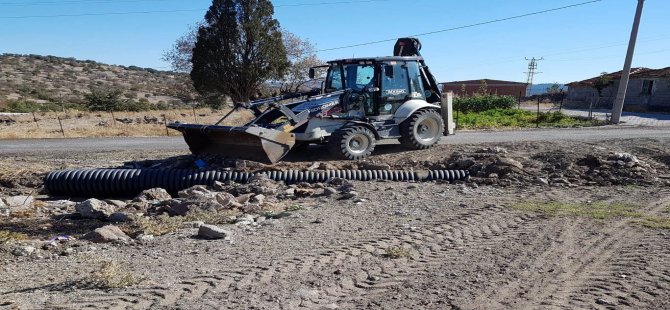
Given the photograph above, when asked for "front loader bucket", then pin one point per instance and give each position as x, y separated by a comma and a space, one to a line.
250, 143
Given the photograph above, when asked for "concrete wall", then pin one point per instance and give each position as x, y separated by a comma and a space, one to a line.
659, 98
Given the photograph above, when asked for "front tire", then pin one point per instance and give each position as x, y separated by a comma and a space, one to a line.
352, 142
422, 130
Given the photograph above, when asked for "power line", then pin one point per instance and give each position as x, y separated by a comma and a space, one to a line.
71, 2
328, 3
99, 14
68, 2
532, 71
465, 26
497, 61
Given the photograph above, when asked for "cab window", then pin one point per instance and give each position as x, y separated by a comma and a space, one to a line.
358, 76
334, 79
415, 83
395, 87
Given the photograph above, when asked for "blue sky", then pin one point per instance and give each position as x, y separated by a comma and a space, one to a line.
577, 43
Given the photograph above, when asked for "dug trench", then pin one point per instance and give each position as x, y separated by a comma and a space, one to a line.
559, 225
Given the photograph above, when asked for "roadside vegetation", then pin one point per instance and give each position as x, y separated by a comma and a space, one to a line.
487, 111
513, 118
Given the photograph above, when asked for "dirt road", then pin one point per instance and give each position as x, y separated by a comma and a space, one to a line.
462, 137
394, 245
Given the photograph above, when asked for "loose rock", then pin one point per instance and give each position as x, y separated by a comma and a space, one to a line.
4, 209
213, 232
194, 224
19, 201
349, 195
116, 203
94, 209
329, 191
119, 217
109, 233
198, 192
152, 195
24, 250
145, 238
246, 219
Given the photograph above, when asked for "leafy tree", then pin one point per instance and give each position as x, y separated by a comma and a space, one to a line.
238, 47
601, 83
104, 99
554, 89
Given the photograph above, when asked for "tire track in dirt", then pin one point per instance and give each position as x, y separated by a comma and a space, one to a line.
589, 268
637, 275
430, 247
376, 275
594, 276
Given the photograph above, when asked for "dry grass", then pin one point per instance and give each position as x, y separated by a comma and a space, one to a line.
396, 252
597, 210
655, 222
211, 217
111, 274
159, 225
78, 124
10, 236
164, 224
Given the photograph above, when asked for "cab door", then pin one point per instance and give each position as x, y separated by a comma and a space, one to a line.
394, 87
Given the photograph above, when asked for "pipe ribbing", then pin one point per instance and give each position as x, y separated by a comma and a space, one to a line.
130, 182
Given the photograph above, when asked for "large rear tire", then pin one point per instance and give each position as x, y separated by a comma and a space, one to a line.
422, 130
352, 142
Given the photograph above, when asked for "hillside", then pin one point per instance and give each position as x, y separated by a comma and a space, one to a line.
44, 79
538, 89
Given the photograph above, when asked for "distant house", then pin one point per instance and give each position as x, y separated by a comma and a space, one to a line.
492, 87
647, 88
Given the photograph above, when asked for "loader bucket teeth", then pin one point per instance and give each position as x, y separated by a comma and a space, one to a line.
250, 143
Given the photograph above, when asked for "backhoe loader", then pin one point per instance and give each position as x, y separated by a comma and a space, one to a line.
361, 101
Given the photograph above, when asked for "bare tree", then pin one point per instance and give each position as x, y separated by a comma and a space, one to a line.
301, 55
179, 55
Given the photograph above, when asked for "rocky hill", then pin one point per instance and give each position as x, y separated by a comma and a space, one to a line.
44, 79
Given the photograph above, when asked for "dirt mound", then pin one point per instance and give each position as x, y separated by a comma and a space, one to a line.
554, 168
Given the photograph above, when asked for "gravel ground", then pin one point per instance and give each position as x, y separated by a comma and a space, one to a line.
367, 245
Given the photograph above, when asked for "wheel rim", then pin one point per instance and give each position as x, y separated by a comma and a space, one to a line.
358, 144
427, 130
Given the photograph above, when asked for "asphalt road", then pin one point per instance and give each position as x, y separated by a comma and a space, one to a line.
461, 137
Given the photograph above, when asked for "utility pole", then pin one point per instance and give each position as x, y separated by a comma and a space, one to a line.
532, 71
617, 108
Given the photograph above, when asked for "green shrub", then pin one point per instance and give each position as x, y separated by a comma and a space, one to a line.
479, 103
134, 106
103, 100
27, 106
497, 118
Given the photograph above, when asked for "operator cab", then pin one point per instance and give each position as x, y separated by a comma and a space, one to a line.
379, 86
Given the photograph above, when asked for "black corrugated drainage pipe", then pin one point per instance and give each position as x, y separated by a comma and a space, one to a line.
130, 182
